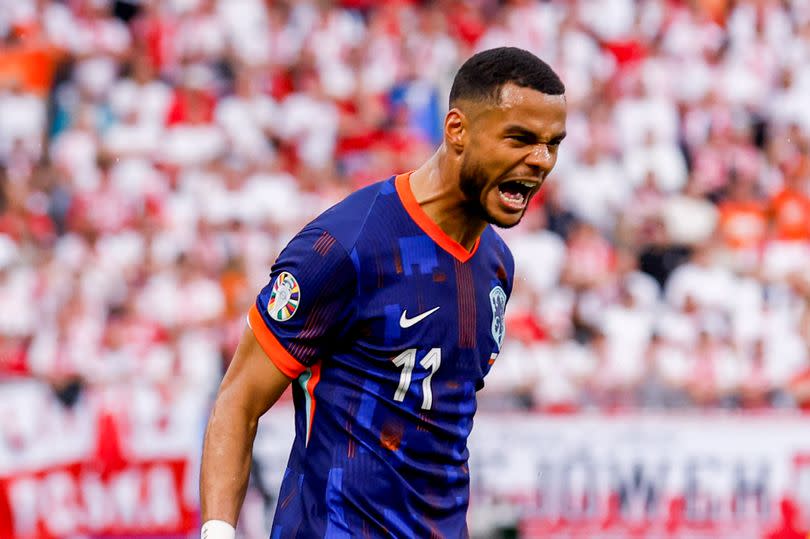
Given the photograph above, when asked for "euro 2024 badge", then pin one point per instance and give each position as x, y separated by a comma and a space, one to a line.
284, 298
497, 298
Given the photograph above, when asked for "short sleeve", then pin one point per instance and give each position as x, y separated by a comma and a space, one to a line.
307, 302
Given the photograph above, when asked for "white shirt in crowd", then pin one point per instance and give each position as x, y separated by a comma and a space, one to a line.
22, 121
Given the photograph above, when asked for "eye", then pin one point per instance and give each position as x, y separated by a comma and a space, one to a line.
523, 139
553, 145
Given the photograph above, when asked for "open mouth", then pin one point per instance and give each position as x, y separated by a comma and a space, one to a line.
515, 193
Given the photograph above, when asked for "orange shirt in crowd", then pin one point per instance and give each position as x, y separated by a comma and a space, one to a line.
743, 225
32, 66
791, 216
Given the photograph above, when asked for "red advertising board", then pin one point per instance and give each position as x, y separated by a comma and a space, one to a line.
144, 498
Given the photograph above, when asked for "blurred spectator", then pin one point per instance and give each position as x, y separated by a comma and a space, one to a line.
590, 190
743, 224
22, 121
688, 218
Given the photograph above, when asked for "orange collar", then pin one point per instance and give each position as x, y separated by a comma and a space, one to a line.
427, 225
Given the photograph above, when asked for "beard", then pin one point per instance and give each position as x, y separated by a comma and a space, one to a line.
473, 181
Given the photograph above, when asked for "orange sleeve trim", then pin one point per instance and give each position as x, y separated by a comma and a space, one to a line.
403, 186
281, 358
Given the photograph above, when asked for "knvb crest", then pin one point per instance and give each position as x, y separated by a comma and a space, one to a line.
497, 298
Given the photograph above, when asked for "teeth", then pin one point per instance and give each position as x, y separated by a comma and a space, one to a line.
517, 198
527, 184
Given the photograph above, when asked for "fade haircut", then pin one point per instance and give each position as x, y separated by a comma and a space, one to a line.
484, 74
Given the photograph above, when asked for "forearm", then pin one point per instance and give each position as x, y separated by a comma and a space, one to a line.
249, 388
226, 461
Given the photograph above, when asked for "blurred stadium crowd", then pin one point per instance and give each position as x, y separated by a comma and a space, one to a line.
158, 154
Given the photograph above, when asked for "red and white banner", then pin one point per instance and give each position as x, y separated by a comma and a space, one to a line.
138, 499
713, 475
117, 464
579, 476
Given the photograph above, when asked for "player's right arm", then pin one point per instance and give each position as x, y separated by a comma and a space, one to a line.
250, 387
294, 322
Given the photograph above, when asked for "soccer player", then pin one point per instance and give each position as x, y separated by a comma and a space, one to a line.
385, 313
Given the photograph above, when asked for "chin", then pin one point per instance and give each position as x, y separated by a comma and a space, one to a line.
507, 221
510, 224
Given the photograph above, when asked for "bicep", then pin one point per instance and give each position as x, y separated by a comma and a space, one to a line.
252, 381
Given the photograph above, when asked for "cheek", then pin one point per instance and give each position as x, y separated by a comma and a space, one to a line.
489, 162
498, 161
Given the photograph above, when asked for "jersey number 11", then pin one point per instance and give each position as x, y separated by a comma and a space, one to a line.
407, 360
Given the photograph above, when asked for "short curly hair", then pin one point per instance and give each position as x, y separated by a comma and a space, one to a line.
483, 75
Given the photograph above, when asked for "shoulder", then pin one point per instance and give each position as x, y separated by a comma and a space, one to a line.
328, 242
346, 220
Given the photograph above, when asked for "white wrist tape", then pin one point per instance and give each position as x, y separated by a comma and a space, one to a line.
217, 529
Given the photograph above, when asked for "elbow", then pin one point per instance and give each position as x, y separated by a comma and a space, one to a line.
230, 411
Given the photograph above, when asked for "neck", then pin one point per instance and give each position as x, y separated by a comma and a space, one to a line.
435, 185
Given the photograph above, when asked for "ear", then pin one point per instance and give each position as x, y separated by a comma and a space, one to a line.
455, 130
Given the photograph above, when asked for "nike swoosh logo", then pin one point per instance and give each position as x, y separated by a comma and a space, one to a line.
405, 322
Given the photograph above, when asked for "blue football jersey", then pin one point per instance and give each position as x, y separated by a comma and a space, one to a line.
388, 327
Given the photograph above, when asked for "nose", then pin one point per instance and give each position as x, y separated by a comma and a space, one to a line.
541, 157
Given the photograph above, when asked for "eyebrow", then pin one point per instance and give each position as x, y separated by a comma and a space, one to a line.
515, 128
